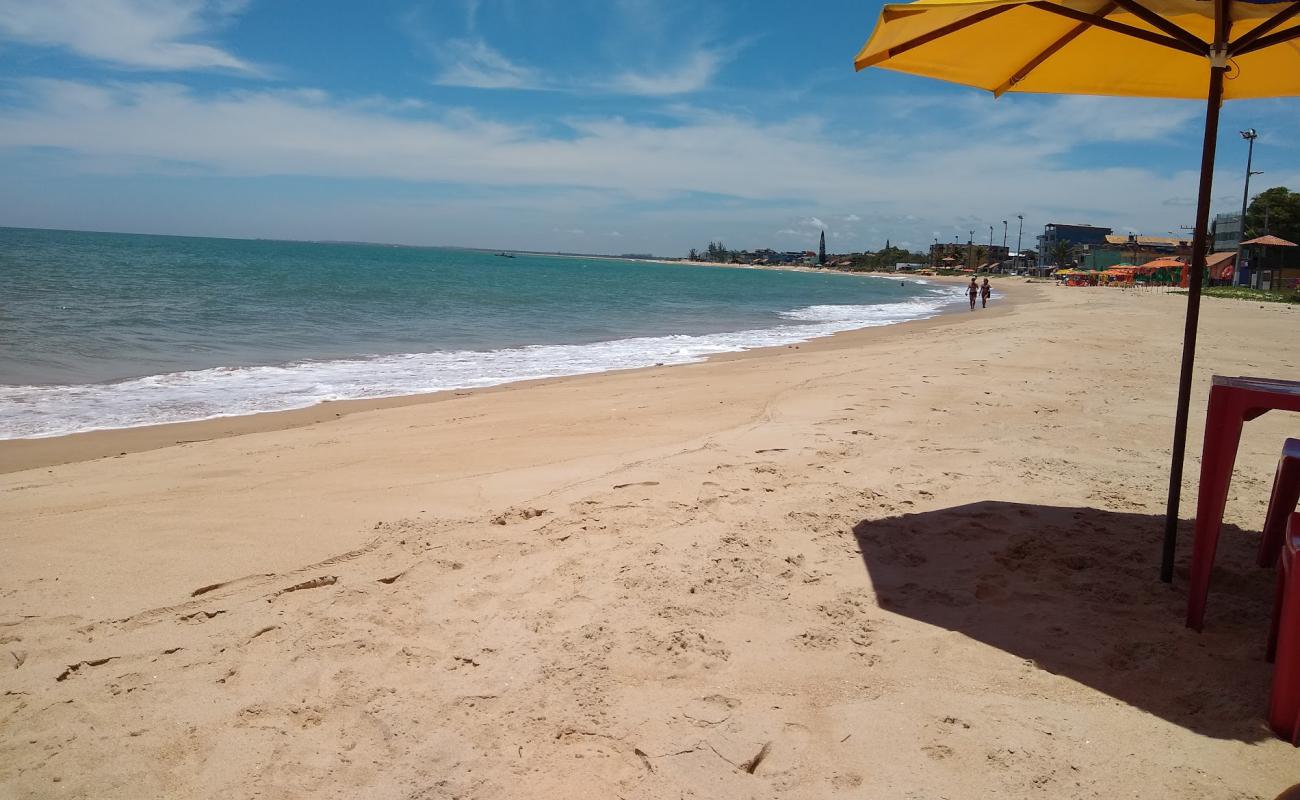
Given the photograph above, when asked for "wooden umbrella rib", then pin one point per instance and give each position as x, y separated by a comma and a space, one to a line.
1152, 18
1249, 37
1051, 50
1268, 41
1120, 28
937, 33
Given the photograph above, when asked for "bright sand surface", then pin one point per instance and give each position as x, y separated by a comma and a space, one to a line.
907, 562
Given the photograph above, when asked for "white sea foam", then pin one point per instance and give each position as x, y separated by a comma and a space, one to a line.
40, 411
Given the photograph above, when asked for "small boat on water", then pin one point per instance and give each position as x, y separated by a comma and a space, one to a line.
505, 255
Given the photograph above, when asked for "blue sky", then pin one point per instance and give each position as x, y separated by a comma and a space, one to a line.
587, 125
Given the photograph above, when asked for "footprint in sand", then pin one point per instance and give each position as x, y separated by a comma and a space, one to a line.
517, 515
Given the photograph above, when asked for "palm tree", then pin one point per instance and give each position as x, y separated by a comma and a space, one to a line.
1062, 252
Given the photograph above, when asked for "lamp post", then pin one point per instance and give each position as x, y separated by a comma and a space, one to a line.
989, 254
1004, 237
1045, 250
1019, 257
1249, 135
970, 251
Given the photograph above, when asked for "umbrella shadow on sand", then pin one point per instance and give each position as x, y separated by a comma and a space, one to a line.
1074, 589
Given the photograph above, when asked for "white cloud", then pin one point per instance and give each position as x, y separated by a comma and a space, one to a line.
693, 75
133, 34
792, 175
473, 63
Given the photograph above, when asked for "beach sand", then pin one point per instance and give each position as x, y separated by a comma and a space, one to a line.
907, 562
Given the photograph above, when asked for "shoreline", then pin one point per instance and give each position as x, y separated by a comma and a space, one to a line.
33, 453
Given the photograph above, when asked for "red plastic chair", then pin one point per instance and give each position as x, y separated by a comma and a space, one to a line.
1283, 500
1233, 402
1284, 642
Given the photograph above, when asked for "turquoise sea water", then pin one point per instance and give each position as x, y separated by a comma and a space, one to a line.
102, 330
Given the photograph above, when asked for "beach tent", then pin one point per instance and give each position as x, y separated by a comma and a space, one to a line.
1221, 266
1213, 50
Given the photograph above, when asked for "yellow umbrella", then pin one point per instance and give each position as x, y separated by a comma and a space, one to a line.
1133, 48
1129, 48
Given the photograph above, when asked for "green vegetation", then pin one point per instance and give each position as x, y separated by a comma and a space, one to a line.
717, 251
1062, 253
884, 260
1275, 211
881, 261
1246, 293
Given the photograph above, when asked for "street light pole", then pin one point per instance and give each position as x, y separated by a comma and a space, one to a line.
989, 254
970, 251
1020, 259
1249, 135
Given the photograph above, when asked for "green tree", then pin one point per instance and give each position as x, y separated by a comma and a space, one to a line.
695, 255
1062, 252
1280, 208
884, 260
821, 250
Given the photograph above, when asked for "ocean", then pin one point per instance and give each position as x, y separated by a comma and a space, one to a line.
106, 330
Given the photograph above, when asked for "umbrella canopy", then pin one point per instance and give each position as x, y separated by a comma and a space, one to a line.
1130, 48
1216, 49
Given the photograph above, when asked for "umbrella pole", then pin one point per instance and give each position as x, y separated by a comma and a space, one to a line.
1214, 99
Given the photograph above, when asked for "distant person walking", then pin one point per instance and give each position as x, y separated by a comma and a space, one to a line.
986, 292
973, 292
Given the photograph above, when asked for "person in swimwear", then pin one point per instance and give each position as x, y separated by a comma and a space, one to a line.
973, 292
986, 292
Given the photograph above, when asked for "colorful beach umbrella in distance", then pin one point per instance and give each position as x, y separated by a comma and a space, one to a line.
1213, 50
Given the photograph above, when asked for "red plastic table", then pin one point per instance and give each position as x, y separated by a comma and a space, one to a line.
1233, 402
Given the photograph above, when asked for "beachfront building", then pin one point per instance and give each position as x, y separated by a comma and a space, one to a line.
1225, 233
1075, 236
1132, 249
996, 254
1225, 237
1270, 263
1020, 261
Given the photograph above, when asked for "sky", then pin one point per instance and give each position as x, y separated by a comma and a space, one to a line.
600, 126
